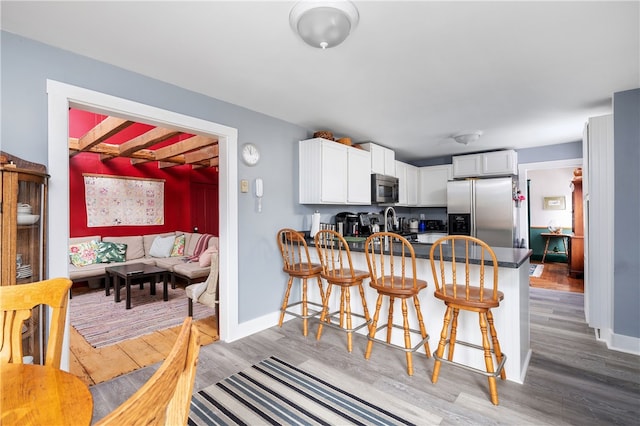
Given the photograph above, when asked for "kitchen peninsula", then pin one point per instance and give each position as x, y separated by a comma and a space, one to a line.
511, 318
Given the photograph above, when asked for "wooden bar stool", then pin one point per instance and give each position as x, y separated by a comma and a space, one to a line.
337, 270
455, 288
393, 275
297, 263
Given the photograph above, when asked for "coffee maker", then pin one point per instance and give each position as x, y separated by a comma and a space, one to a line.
349, 223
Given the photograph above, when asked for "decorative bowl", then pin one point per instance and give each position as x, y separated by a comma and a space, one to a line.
28, 219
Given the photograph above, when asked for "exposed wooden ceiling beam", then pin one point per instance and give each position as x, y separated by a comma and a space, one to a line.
184, 146
101, 132
150, 138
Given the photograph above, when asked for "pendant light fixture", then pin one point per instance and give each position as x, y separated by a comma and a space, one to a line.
323, 24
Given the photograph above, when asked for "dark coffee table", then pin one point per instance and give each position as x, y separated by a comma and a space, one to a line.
135, 271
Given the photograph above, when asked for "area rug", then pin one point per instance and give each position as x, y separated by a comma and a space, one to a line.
102, 322
276, 392
536, 270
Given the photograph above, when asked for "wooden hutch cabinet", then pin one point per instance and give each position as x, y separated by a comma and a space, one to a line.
576, 242
23, 219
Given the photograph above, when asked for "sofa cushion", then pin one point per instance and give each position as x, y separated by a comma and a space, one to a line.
191, 270
135, 248
178, 246
111, 252
162, 246
168, 262
84, 253
205, 257
150, 238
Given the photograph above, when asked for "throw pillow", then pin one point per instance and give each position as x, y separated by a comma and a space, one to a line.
162, 246
205, 258
83, 254
178, 246
111, 252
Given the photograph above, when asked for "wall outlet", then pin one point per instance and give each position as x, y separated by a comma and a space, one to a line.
244, 186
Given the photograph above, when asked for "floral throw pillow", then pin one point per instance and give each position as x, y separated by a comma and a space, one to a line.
178, 246
111, 252
83, 254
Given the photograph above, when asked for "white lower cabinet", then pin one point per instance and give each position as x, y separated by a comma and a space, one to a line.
333, 173
432, 185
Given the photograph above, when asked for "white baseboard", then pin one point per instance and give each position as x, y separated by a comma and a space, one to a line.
618, 342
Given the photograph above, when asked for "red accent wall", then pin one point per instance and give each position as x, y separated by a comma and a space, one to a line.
177, 202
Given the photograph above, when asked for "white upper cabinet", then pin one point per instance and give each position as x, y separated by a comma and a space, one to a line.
497, 163
359, 176
432, 185
333, 173
383, 160
408, 184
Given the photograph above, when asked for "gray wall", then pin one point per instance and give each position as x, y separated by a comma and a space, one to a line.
626, 267
26, 65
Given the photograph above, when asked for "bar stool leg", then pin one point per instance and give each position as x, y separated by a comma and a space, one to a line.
496, 344
407, 337
441, 345
305, 309
488, 360
347, 299
454, 333
374, 325
325, 311
285, 301
423, 329
392, 302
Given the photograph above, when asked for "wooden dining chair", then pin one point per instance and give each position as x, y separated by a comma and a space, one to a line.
166, 397
297, 264
337, 270
16, 306
462, 286
392, 265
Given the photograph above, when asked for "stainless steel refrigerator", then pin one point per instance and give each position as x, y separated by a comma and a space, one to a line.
483, 208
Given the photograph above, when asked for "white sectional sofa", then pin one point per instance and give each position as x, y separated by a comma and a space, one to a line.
139, 250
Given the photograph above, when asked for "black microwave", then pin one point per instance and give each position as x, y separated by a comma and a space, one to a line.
384, 189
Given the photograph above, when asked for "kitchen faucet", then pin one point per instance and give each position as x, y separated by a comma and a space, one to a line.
386, 220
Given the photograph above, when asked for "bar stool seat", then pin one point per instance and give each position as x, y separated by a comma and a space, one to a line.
393, 275
465, 289
297, 264
337, 270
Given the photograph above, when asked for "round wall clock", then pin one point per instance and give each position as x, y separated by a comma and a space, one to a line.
250, 154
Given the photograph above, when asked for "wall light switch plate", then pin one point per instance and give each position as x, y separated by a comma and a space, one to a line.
244, 185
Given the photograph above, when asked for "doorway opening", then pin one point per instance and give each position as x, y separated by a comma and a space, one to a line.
61, 98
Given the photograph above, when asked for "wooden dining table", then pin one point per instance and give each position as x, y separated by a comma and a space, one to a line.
42, 395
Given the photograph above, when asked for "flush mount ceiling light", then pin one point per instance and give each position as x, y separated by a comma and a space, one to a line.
323, 24
467, 138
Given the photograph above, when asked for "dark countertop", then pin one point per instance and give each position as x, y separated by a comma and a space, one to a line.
507, 257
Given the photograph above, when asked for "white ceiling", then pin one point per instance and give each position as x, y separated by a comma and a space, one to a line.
410, 76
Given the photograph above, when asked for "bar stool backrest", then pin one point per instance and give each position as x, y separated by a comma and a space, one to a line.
395, 269
452, 271
335, 255
294, 250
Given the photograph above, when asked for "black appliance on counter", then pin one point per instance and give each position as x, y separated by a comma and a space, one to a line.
349, 223
435, 225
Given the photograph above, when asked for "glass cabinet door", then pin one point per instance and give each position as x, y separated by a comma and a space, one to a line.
23, 251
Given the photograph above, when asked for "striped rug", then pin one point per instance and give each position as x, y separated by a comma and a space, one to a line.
276, 392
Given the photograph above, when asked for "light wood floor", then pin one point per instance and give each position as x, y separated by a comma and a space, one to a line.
98, 365
572, 378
